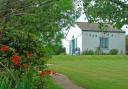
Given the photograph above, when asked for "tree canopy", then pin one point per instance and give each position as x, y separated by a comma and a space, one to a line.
44, 18
109, 11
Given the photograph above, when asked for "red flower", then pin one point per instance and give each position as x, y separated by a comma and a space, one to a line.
4, 48
26, 66
29, 54
16, 59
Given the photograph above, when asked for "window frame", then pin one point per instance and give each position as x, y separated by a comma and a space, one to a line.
104, 42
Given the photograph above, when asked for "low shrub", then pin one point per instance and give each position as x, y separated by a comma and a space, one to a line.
99, 51
113, 51
88, 52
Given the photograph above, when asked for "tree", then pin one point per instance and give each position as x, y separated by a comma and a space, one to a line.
45, 18
28, 28
114, 12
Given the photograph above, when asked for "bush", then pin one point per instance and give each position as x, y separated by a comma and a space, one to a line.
88, 52
113, 51
61, 50
20, 53
99, 51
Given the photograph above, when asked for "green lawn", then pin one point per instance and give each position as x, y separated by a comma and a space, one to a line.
94, 72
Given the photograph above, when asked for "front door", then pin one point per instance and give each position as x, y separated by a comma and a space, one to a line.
73, 46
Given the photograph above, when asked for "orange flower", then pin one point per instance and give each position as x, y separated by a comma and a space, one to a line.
47, 72
4, 48
16, 59
26, 66
29, 54
43, 73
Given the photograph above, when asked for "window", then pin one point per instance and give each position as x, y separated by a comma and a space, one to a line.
104, 43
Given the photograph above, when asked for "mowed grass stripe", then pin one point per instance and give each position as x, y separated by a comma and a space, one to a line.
94, 72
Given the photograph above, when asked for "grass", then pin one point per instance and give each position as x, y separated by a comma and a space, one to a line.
94, 72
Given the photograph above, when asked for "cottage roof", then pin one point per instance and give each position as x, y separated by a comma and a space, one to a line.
95, 27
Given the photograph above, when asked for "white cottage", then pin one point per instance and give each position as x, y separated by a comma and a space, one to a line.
85, 36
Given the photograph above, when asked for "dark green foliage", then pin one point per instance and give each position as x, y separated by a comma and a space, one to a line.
61, 50
44, 18
100, 52
88, 52
113, 51
12, 80
40, 83
30, 26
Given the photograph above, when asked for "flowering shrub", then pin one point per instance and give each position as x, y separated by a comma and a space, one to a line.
19, 55
19, 48
4, 48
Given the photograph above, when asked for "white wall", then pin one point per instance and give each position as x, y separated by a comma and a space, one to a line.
118, 42
77, 33
91, 40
